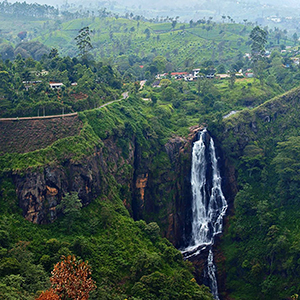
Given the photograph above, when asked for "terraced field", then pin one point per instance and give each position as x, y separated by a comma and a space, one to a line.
28, 135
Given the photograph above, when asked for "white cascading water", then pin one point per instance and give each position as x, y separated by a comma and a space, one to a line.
208, 206
211, 272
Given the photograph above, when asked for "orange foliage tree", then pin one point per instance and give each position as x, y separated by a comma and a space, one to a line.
48, 295
71, 279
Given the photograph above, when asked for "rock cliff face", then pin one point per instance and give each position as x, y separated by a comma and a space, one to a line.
167, 195
39, 191
155, 188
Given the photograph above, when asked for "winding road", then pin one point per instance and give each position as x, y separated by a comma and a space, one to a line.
125, 96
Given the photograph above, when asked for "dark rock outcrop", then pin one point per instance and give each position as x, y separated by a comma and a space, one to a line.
40, 190
167, 196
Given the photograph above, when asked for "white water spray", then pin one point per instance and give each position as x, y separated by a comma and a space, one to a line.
208, 206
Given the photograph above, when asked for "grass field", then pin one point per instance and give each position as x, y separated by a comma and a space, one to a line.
183, 46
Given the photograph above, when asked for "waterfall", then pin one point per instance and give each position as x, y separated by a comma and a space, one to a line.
211, 271
208, 205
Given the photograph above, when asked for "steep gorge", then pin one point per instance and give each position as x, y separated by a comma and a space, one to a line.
116, 161
152, 174
152, 194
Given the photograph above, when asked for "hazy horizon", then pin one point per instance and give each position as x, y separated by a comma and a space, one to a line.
261, 12
154, 4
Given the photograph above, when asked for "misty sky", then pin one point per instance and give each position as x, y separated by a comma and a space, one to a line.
158, 3
239, 10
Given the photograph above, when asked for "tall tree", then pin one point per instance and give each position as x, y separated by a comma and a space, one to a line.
232, 79
174, 23
258, 38
53, 53
83, 41
70, 206
295, 38
6, 87
148, 33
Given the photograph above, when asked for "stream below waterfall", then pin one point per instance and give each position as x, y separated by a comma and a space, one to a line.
208, 205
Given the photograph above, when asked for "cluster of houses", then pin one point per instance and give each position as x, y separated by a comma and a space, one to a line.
195, 74
183, 75
52, 85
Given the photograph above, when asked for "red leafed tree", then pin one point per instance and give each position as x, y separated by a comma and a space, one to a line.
71, 279
48, 295
22, 35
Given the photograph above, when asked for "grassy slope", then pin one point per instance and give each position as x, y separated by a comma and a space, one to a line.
215, 41
197, 44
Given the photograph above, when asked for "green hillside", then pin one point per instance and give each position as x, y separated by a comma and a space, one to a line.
113, 263
261, 240
184, 46
110, 183
129, 259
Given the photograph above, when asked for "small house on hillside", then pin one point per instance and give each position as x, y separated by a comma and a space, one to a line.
161, 76
295, 60
31, 84
179, 75
249, 74
56, 85
222, 76
196, 72
239, 75
42, 73
189, 77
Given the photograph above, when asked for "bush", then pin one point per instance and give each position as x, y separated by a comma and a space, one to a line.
153, 230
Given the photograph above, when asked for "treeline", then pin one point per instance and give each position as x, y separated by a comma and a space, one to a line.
32, 49
29, 10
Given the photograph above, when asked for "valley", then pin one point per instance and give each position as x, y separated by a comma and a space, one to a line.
109, 178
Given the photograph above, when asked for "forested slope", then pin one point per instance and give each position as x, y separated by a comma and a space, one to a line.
104, 165
261, 243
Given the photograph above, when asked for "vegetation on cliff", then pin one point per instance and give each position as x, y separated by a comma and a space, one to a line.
149, 125
261, 242
128, 259
125, 148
